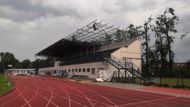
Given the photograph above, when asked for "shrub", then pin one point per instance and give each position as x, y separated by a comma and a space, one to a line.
188, 87
164, 85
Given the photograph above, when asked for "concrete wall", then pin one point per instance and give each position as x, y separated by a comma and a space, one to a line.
132, 53
70, 68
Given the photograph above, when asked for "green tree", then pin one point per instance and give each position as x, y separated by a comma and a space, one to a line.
107, 39
7, 59
160, 50
146, 39
133, 31
120, 35
26, 63
36, 64
165, 25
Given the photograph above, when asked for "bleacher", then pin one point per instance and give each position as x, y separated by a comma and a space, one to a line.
87, 58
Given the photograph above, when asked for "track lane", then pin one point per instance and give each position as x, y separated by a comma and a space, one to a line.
34, 91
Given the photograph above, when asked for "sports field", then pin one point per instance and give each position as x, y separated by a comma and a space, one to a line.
32, 91
5, 85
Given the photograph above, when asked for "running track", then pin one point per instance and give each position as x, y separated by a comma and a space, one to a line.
56, 92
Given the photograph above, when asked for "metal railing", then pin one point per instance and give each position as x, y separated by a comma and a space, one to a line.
129, 66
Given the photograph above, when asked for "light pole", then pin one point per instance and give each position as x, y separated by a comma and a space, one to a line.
1, 64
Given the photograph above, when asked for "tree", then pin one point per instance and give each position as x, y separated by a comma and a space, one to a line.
26, 63
160, 50
165, 26
133, 31
145, 44
107, 39
120, 35
7, 59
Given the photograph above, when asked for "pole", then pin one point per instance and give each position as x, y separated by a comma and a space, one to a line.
125, 67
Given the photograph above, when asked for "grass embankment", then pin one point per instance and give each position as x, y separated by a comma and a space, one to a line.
175, 82
5, 85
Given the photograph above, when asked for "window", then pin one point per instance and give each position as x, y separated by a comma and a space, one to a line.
83, 69
69, 70
88, 69
79, 70
72, 70
65, 70
75, 70
93, 70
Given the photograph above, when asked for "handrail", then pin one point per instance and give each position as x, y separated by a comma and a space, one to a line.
118, 65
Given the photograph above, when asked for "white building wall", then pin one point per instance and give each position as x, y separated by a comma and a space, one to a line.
95, 65
132, 52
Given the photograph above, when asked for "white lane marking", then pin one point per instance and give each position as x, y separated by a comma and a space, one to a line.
13, 97
66, 92
36, 93
104, 97
148, 101
82, 95
24, 98
50, 98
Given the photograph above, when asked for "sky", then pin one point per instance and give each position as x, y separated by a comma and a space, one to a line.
29, 26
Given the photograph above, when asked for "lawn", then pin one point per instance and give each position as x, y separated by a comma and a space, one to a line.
5, 85
174, 81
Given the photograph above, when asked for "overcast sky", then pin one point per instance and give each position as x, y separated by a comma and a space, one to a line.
28, 26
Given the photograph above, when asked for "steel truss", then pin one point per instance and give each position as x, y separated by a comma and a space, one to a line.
92, 32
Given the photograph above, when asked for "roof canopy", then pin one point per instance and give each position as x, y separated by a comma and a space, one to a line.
87, 38
66, 47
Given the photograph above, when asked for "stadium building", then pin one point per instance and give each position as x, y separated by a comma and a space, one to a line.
20, 71
92, 51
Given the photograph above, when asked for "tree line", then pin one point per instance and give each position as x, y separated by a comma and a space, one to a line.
8, 60
157, 36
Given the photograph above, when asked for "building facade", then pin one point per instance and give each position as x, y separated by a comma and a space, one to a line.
124, 52
20, 71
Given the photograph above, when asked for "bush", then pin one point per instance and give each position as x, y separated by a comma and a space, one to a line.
150, 83
164, 85
177, 85
188, 87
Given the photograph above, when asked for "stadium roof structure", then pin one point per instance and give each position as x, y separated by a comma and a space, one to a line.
94, 31
88, 38
66, 47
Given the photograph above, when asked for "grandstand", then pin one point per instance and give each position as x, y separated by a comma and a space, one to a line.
91, 50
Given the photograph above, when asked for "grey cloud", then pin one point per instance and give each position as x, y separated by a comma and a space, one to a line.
26, 28
24, 10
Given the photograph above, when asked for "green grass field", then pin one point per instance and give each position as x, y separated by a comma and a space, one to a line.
5, 85
174, 81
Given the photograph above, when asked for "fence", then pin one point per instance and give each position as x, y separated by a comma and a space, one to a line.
179, 77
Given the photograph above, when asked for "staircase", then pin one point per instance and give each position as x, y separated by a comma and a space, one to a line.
126, 66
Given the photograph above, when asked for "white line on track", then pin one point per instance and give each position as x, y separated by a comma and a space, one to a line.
107, 105
88, 99
148, 101
1, 105
50, 99
36, 93
138, 95
104, 97
24, 98
66, 92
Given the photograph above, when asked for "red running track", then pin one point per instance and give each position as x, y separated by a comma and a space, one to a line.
56, 92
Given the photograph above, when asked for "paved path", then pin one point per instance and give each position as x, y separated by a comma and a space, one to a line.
55, 92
